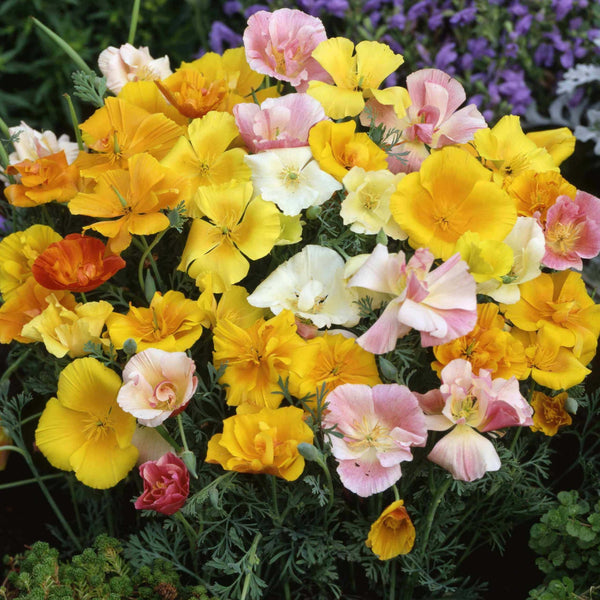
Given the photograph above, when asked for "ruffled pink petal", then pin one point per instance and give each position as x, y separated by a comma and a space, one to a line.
367, 478
382, 336
460, 127
466, 454
380, 272
423, 88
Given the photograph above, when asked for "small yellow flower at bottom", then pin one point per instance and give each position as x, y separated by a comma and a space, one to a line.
392, 533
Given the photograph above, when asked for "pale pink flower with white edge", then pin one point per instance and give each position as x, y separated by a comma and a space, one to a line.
128, 63
32, 144
282, 122
471, 405
156, 385
441, 304
379, 426
432, 120
280, 44
311, 285
572, 231
291, 179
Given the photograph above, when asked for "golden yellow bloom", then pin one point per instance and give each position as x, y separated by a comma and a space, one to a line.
236, 226
508, 152
65, 331
129, 201
26, 303
560, 143
18, 252
450, 195
172, 323
534, 193
118, 131
203, 156
489, 346
84, 430
548, 363
549, 412
487, 259
356, 77
393, 533
258, 356
262, 442
339, 360
559, 303
337, 148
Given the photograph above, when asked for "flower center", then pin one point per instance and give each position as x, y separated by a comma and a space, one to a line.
164, 396
562, 238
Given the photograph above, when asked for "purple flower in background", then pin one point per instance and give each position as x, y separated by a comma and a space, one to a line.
523, 25
562, 8
511, 50
372, 5
436, 20
544, 55
464, 17
397, 21
232, 7
337, 8
446, 57
221, 36
254, 9
418, 10
515, 90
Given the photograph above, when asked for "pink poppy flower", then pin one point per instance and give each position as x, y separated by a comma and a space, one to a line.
282, 122
471, 405
379, 426
441, 304
572, 231
156, 385
280, 44
166, 485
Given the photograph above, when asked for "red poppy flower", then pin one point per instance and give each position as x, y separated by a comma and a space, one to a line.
77, 263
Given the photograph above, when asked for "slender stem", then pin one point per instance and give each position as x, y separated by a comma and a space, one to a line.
435, 502
4, 129
109, 515
182, 433
31, 418
162, 431
392, 594
63, 46
75, 506
189, 532
135, 13
74, 121
396, 494
14, 366
147, 253
514, 440
274, 494
83, 298
286, 590
14, 449
251, 560
13, 484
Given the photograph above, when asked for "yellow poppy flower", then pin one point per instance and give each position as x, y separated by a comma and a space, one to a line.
84, 430
339, 360
534, 193
337, 148
65, 331
549, 413
119, 130
356, 76
262, 442
203, 156
18, 252
172, 323
487, 259
258, 356
508, 152
130, 200
559, 303
489, 346
393, 533
450, 195
560, 143
548, 363
236, 226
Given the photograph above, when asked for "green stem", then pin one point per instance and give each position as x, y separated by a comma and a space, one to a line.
514, 440
286, 591
162, 431
182, 432
14, 366
189, 532
274, 494
74, 122
4, 129
63, 46
135, 14
13, 484
14, 449
83, 298
396, 494
31, 418
147, 253
252, 559
75, 506
392, 594
435, 502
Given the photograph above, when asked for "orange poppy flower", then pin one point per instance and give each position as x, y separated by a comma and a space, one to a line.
77, 263
43, 180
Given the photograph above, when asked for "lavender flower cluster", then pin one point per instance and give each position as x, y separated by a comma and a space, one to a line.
506, 53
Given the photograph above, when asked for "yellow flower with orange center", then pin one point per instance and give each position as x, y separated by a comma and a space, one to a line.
559, 303
339, 360
262, 442
337, 148
146, 95
489, 346
258, 356
84, 430
236, 226
47, 179
392, 533
549, 412
18, 252
534, 193
129, 201
450, 195
172, 323
118, 131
